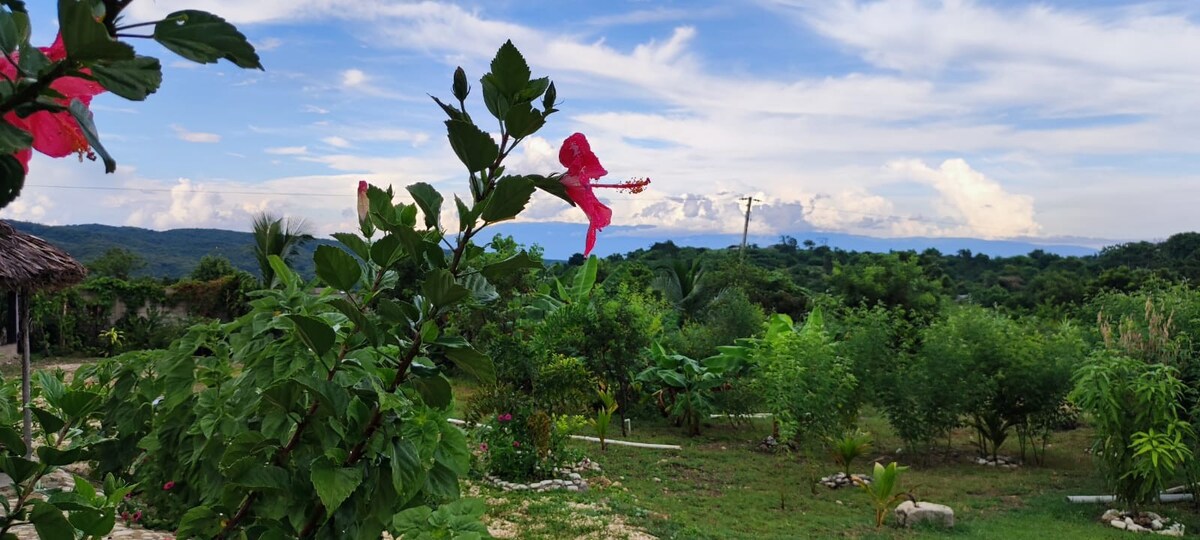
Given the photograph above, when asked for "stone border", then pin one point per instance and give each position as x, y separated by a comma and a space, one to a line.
840, 480
1000, 461
1149, 523
570, 479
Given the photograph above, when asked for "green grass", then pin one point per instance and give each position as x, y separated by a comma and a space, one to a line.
719, 487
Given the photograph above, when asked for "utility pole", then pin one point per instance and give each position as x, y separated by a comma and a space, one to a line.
746, 229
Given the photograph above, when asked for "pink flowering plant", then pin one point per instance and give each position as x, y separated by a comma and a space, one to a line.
45, 92
322, 413
521, 445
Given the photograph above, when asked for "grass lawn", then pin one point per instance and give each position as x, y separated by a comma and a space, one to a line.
719, 487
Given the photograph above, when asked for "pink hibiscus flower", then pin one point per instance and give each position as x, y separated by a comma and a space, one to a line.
583, 168
364, 204
55, 134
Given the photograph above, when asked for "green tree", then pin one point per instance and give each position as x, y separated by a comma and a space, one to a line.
213, 267
119, 263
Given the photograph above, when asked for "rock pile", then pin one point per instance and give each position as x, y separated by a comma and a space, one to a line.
840, 480
1147, 522
999, 461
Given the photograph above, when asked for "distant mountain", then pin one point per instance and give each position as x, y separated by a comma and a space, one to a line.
561, 240
174, 253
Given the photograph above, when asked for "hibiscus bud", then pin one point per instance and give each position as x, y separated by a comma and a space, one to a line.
364, 204
460, 85
548, 99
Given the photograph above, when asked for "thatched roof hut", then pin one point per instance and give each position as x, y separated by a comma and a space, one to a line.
28, 263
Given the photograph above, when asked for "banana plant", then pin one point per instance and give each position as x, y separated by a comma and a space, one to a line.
685, 385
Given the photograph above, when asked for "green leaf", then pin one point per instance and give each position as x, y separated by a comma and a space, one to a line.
334, 484
466, 216
205, 38
441, 289
76, 404
509, 70
452, 111
355, 244
496, 101
510, 265
10, 36
453, 450
552, 185
264, 477
430, 202
199, 522
523, 120
435, 391
94, 523
131, 79
406, 467
49, 422
315, 333
86, 38
351, 312
481, 290
508, 199
88, 127
474, 147
387, 250
18, 468
13, 138
49, 521
12, 440
473, 363
12, 179
32, 60
442, 483
58, 458
534, 89
336, 267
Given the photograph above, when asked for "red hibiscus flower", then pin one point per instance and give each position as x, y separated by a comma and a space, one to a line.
55, 134
364, 204
583, 168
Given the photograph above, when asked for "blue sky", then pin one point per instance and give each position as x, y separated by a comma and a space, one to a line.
886, 118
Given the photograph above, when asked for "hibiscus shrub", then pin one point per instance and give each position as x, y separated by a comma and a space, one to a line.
44, 103
525, 445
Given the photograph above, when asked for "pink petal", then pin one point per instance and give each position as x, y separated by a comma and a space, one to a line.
56, 134
56, 52
599, 216
77, 88
576, 155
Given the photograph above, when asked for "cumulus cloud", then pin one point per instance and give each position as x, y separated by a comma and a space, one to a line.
986, 209
353, 78
195, 136
337, 142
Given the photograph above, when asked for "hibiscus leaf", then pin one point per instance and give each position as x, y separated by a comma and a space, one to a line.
85, 38
552, 185
441, 289
84, 117
435, 391
337, 268
523, 120
510, 72
10, 34
13, 138
474, 147
508, 198
17, 6
205, 38
473, 363
32, 60
429, 200
452, 111
12, 178
512, 264
131, 79
497, 103
334, 484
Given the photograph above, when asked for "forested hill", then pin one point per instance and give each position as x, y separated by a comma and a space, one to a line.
171, 254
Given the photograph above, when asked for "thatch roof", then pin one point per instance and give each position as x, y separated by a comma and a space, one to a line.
28, 262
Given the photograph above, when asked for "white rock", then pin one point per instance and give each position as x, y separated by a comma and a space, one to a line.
575, 476
1118, 524
657, 479
1111, 514
910, 513
572, 488
1156, 524
1136, 528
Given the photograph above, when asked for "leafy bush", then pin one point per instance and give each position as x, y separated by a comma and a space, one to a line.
849, 447
1134, 406
685, 386
805, 383
521, 445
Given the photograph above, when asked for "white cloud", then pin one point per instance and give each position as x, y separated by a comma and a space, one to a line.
268, 44
195, 136
352, 78
337, 142
986, 209
288, 150
315, 109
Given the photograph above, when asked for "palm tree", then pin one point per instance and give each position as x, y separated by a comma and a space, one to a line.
277, 236
681, 284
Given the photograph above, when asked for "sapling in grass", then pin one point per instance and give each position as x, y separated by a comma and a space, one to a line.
848, 448
604, 415
881, 489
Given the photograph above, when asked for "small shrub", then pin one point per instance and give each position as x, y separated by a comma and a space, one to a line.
848, 448
882, 489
